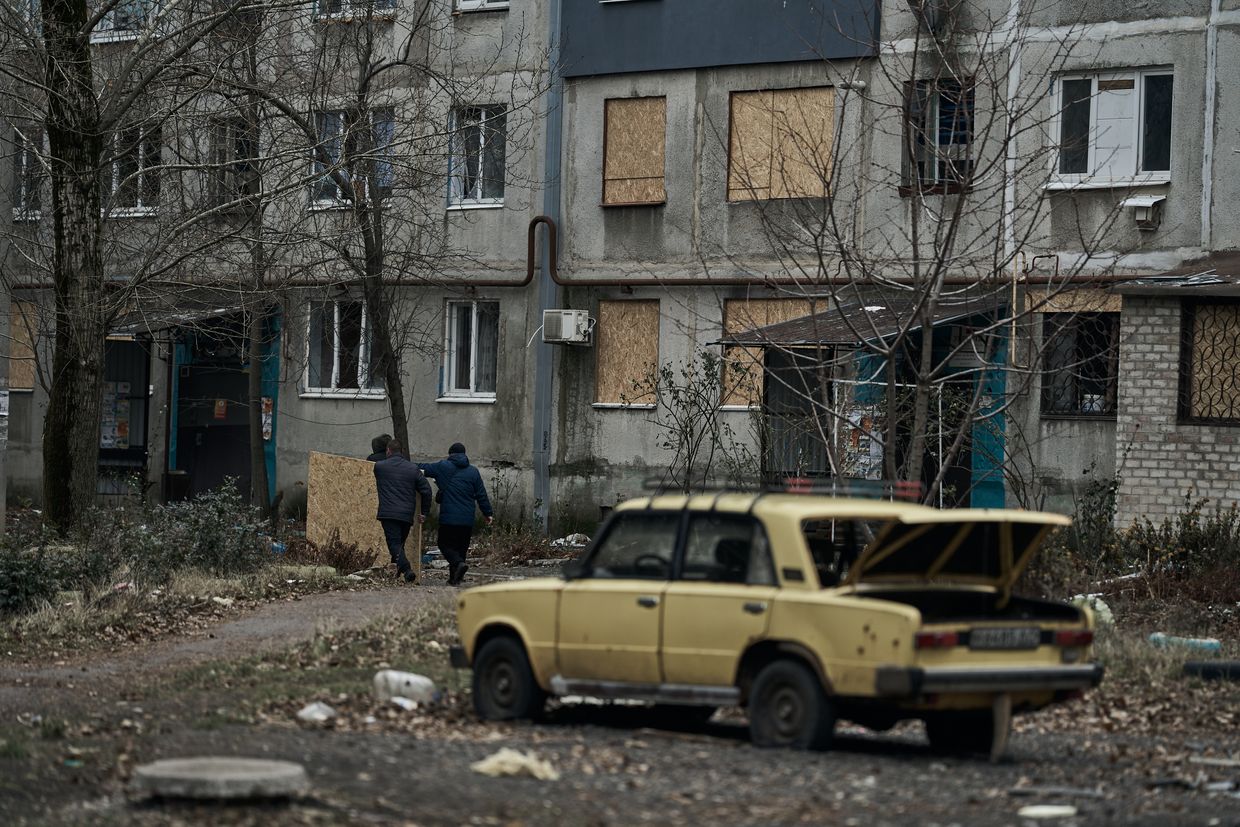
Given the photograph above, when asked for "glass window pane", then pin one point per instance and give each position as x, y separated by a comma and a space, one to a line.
493, 155
488, 346
1156, 125
463, 333
125, 193
726, 549
1074, 126
150, 169
320, 366
327, 154
471, 141
637, 546
349, 352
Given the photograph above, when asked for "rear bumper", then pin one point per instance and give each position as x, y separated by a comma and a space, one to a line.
457, 657
902, 681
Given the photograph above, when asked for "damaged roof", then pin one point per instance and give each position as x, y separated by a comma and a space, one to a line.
1215, 275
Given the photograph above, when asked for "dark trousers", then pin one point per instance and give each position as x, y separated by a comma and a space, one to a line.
454, 543
396, 532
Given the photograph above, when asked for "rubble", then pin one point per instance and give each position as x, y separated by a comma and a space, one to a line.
510, 762
316, 713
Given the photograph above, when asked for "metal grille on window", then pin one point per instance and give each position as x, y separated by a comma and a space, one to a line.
1212, 383
1081, 352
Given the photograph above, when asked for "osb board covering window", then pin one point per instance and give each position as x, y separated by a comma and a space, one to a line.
1084, 300
780, 143
23, 327
742, 375
341, 496
1214, 362
633, 153
627, 346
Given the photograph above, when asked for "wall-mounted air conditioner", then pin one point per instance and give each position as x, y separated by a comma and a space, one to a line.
567, 327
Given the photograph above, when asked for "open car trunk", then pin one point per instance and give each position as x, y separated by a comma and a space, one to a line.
949, 605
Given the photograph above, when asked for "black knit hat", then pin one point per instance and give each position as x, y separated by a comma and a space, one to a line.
456, 448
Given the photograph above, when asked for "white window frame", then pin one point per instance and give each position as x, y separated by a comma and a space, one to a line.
356, 10
23, 156
364, 390
339, 201
105, 30
449, 392
480, 5
140, 208
476, 202
1090, 180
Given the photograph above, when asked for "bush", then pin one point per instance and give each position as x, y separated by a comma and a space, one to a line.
345, 558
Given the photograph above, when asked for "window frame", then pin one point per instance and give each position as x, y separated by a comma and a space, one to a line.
486, 126
343, 160
584, 570
105, 30
1046, 396
911, 181
24, 184
449, 392
1188, 313
227, 184
139, 208
607, 114
355, 10
738, 194
364, 389
1090, 178
757, 532
467, 6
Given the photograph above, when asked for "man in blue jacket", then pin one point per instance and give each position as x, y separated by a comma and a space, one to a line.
398, 481
461, 487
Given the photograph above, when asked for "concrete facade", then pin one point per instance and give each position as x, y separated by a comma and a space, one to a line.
697, 250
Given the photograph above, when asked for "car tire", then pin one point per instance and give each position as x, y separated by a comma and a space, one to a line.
788, 708
961, 733
504, 684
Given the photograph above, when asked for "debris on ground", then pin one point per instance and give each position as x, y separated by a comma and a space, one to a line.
1103, 615
572, 540
1039, 811
404, 703
223, 601
510, 762
1202, 644
316, 713
392, 683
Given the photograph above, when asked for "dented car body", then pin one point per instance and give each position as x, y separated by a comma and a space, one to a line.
804, 609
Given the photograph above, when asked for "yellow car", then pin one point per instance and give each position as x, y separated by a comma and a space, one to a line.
803, 609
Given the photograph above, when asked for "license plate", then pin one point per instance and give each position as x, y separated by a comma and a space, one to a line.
1023, 638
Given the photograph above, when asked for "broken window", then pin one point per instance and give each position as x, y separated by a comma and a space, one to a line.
339, 356
742, 369
360, 156
725, 548
1082, 364
472, 353
234, 161
634, 143
627, 352
23, 333
780, 143
476, 174
938, 152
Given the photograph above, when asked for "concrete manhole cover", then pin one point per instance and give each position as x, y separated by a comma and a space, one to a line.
221, 778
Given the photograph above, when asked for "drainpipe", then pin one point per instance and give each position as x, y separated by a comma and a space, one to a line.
548, 293
1207, 147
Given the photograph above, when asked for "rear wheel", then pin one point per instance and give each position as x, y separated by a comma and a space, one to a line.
788, 708
962, 732
504, 684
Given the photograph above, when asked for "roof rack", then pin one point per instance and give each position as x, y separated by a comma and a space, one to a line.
905, 490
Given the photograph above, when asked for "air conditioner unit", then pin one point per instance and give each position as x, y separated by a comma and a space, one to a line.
566, 327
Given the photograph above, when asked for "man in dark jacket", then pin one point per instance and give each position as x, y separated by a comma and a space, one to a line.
397, 481
461, 487
378, 448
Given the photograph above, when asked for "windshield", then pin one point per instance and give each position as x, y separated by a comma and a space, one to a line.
836, 544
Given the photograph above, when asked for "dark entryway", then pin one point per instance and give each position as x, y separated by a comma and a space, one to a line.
122, 428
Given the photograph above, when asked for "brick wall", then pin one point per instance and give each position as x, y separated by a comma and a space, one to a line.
1164, 457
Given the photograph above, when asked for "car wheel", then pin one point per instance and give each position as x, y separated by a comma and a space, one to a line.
961, 733
788, 708
504, 685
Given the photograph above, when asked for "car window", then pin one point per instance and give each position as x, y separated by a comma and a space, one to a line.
638, 545
726, 548
836, 544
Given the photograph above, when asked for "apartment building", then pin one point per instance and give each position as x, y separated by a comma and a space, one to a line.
685, 154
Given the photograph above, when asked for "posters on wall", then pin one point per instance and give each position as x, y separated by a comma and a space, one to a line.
115, 426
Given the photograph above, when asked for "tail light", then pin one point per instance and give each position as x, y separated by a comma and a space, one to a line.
935, 640
1074, 637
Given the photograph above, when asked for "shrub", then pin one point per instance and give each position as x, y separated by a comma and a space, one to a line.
345, 558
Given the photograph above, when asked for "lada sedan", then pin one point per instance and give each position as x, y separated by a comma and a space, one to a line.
802, 609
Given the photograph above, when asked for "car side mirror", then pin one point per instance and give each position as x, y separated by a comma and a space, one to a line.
575, 569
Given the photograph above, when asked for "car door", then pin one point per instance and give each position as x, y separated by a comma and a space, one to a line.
719, 601
610, 612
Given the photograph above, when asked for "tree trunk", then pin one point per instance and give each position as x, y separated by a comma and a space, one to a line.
258, 454
71, 425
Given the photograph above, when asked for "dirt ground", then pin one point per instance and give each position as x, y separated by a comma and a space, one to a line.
71, 733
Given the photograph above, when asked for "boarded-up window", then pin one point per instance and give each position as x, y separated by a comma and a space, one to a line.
628, 351
742, 376
1210, 363
23, 329
634, 150
779, 144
